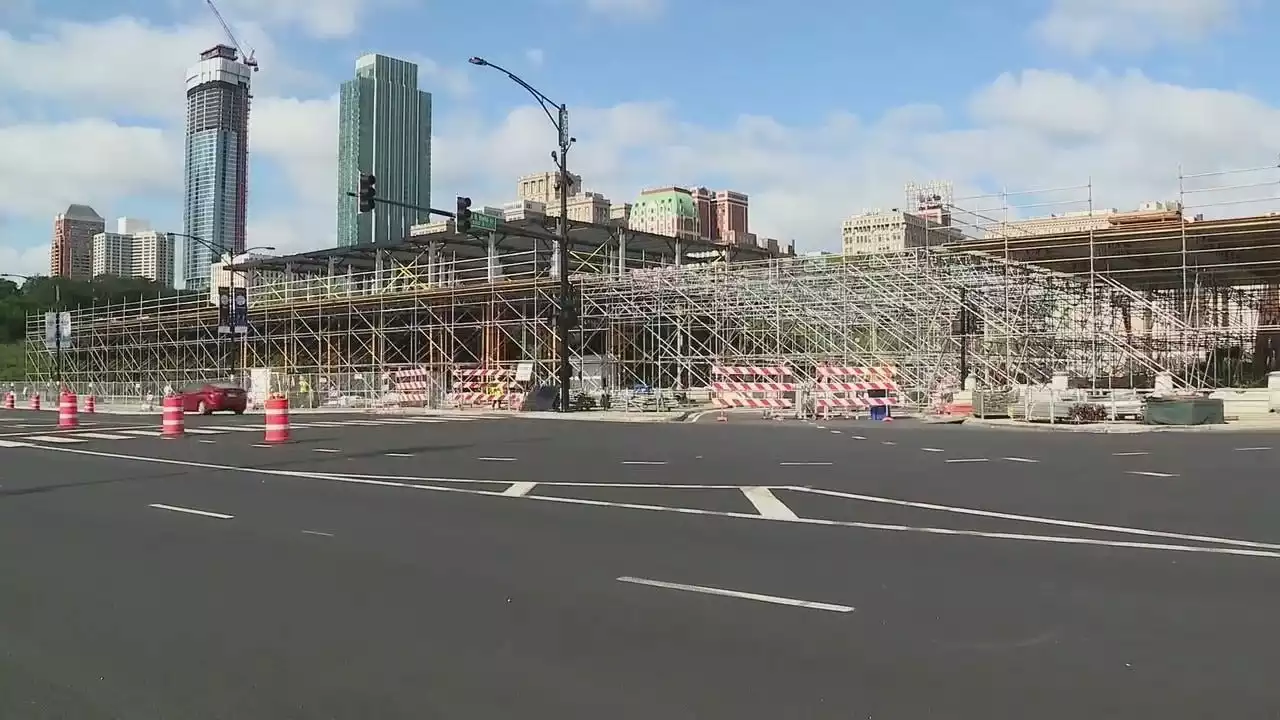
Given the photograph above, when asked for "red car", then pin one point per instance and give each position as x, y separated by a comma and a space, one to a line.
215, 397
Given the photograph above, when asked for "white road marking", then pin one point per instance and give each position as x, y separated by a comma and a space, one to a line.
209, 442
822, 427
767, 504
190, 511
11, 444
888, 442
262, 445
317, 532
1148, 473
325, 425
203, 431
932, 449
399, 455
835, 432
497, 459
1021, 460
57, 439
1252, 449
519, 489
1129, 454
965, 460
325, 450
644, 462
101, 436
858, 437
773, 599
142, 433
1244, 548
236, 428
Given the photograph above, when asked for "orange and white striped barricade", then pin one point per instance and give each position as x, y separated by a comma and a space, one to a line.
851, 389
90, 404
34, 402
481, 386
173, 419
277, 420
412, 386
68, 412
752, 386
10, 401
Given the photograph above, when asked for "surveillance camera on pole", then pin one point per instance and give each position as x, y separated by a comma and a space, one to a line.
368, 191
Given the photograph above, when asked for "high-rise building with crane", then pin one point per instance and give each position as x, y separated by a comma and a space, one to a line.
384, 128
217, 157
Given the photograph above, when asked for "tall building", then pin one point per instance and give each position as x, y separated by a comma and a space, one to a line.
71, 252
217, 161
134, 250
894, 231
384, 129
722, 215
544, 188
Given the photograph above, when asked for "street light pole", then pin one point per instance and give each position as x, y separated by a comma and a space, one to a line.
224, 255
567, 313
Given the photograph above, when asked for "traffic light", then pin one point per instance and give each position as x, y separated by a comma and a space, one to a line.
368, 191
462, 218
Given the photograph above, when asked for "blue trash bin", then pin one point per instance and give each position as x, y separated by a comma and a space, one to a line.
879, 412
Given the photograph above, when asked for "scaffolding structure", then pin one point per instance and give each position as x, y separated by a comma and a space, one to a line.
1113, 306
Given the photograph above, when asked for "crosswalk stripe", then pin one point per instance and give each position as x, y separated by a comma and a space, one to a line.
55, 439
100, 436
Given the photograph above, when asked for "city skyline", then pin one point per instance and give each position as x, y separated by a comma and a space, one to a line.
384, 129
216, 162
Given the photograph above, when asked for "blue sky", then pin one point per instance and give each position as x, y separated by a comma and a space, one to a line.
817, 112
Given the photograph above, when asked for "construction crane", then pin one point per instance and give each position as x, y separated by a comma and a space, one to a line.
245, 57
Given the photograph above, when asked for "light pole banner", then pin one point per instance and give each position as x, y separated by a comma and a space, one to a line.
224, 311
240, 311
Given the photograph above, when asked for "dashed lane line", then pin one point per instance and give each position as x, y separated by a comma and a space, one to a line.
738, 594
932, 449
400, 455
191, 511
1253, 449
496, 459
966, 460
1129, 454
803, 464
1021, 460
1149, 473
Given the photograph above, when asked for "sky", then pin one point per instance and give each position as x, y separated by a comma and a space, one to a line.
817, 110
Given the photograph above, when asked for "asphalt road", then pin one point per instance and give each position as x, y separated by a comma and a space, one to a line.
487, 568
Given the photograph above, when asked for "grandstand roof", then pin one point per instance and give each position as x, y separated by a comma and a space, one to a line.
583, 237
1233, 252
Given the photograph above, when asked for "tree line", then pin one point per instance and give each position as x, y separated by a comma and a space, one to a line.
42, 294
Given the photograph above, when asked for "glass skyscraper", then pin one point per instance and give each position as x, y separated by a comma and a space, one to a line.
384, 129
217, 162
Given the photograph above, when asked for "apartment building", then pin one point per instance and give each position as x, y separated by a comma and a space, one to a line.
71, 251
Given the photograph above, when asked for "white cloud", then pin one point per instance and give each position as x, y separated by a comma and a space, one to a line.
139, 73
25, 260
1084, 27
324, 19
45, 167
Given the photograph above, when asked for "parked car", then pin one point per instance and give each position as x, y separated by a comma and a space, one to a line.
215, 397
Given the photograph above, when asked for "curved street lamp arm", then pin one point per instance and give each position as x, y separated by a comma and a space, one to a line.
545, 102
